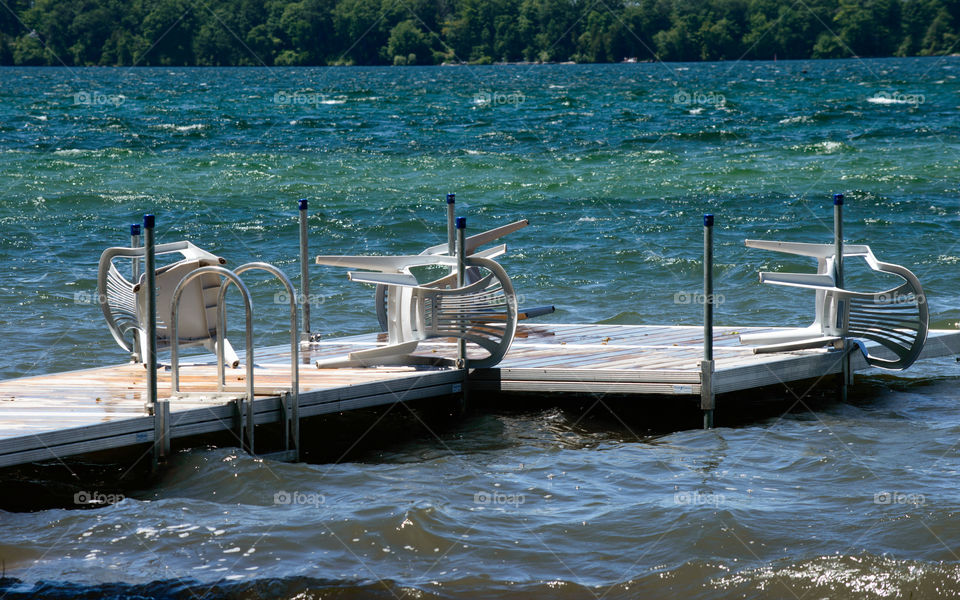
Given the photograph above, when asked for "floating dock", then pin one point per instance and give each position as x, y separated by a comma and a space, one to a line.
61, 415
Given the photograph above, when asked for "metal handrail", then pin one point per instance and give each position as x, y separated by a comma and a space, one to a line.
221, 326
292, 412
294, 342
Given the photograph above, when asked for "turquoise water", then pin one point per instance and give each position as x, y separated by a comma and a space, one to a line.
614, 166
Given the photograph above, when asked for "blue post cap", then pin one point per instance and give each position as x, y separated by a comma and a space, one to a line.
708, 220
303, 203
148, 221
838, 199
461, 222
451, 198
135, 229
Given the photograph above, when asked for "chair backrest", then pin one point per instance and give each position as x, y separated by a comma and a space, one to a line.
483, 312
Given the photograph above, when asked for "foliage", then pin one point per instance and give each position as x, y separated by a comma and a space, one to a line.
415, 32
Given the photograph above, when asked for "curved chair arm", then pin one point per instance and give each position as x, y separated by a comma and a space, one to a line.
380, 294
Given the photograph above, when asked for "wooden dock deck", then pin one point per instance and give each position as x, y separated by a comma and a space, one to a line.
59, 415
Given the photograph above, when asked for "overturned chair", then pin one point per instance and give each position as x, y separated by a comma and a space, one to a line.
124, 302
482, 312
896, 319
472, 244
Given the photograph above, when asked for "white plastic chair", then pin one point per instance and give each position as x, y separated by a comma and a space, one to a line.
124, 303
482, 312
472, 244
897, 318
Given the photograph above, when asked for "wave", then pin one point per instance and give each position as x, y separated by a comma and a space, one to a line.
824, 147
838, 577
841, 577
194, 127
796, 119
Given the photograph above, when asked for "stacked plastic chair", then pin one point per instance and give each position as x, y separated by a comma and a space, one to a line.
896, 319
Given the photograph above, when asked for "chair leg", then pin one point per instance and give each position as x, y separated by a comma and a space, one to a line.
384, 351
230, 357
394, 360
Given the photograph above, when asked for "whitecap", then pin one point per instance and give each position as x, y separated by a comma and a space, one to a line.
73, 152
829, 146
796, 119
180, 128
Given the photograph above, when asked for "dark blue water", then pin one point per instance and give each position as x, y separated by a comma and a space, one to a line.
613, 165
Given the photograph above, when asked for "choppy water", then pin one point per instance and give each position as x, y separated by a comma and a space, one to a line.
613, 165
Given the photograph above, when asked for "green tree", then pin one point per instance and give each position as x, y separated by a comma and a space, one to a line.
866, 28
360, 31
406, 41
28, 50
316, 32
169, 28
941, 36
50, 23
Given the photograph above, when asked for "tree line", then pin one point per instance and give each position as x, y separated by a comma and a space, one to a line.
424, 32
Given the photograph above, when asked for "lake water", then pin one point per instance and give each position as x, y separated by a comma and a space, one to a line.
614, 166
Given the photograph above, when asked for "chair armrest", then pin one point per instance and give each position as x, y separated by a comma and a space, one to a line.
399, 279
475, 241
385, 264
798, 248
813, 250
803, 280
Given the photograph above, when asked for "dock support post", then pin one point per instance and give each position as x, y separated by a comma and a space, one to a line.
846, 373
451, 232
150, 270
707, 399
135, 243
304, 275
461, 227
161, 430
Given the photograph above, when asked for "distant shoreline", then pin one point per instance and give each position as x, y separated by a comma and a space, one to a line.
492, 64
